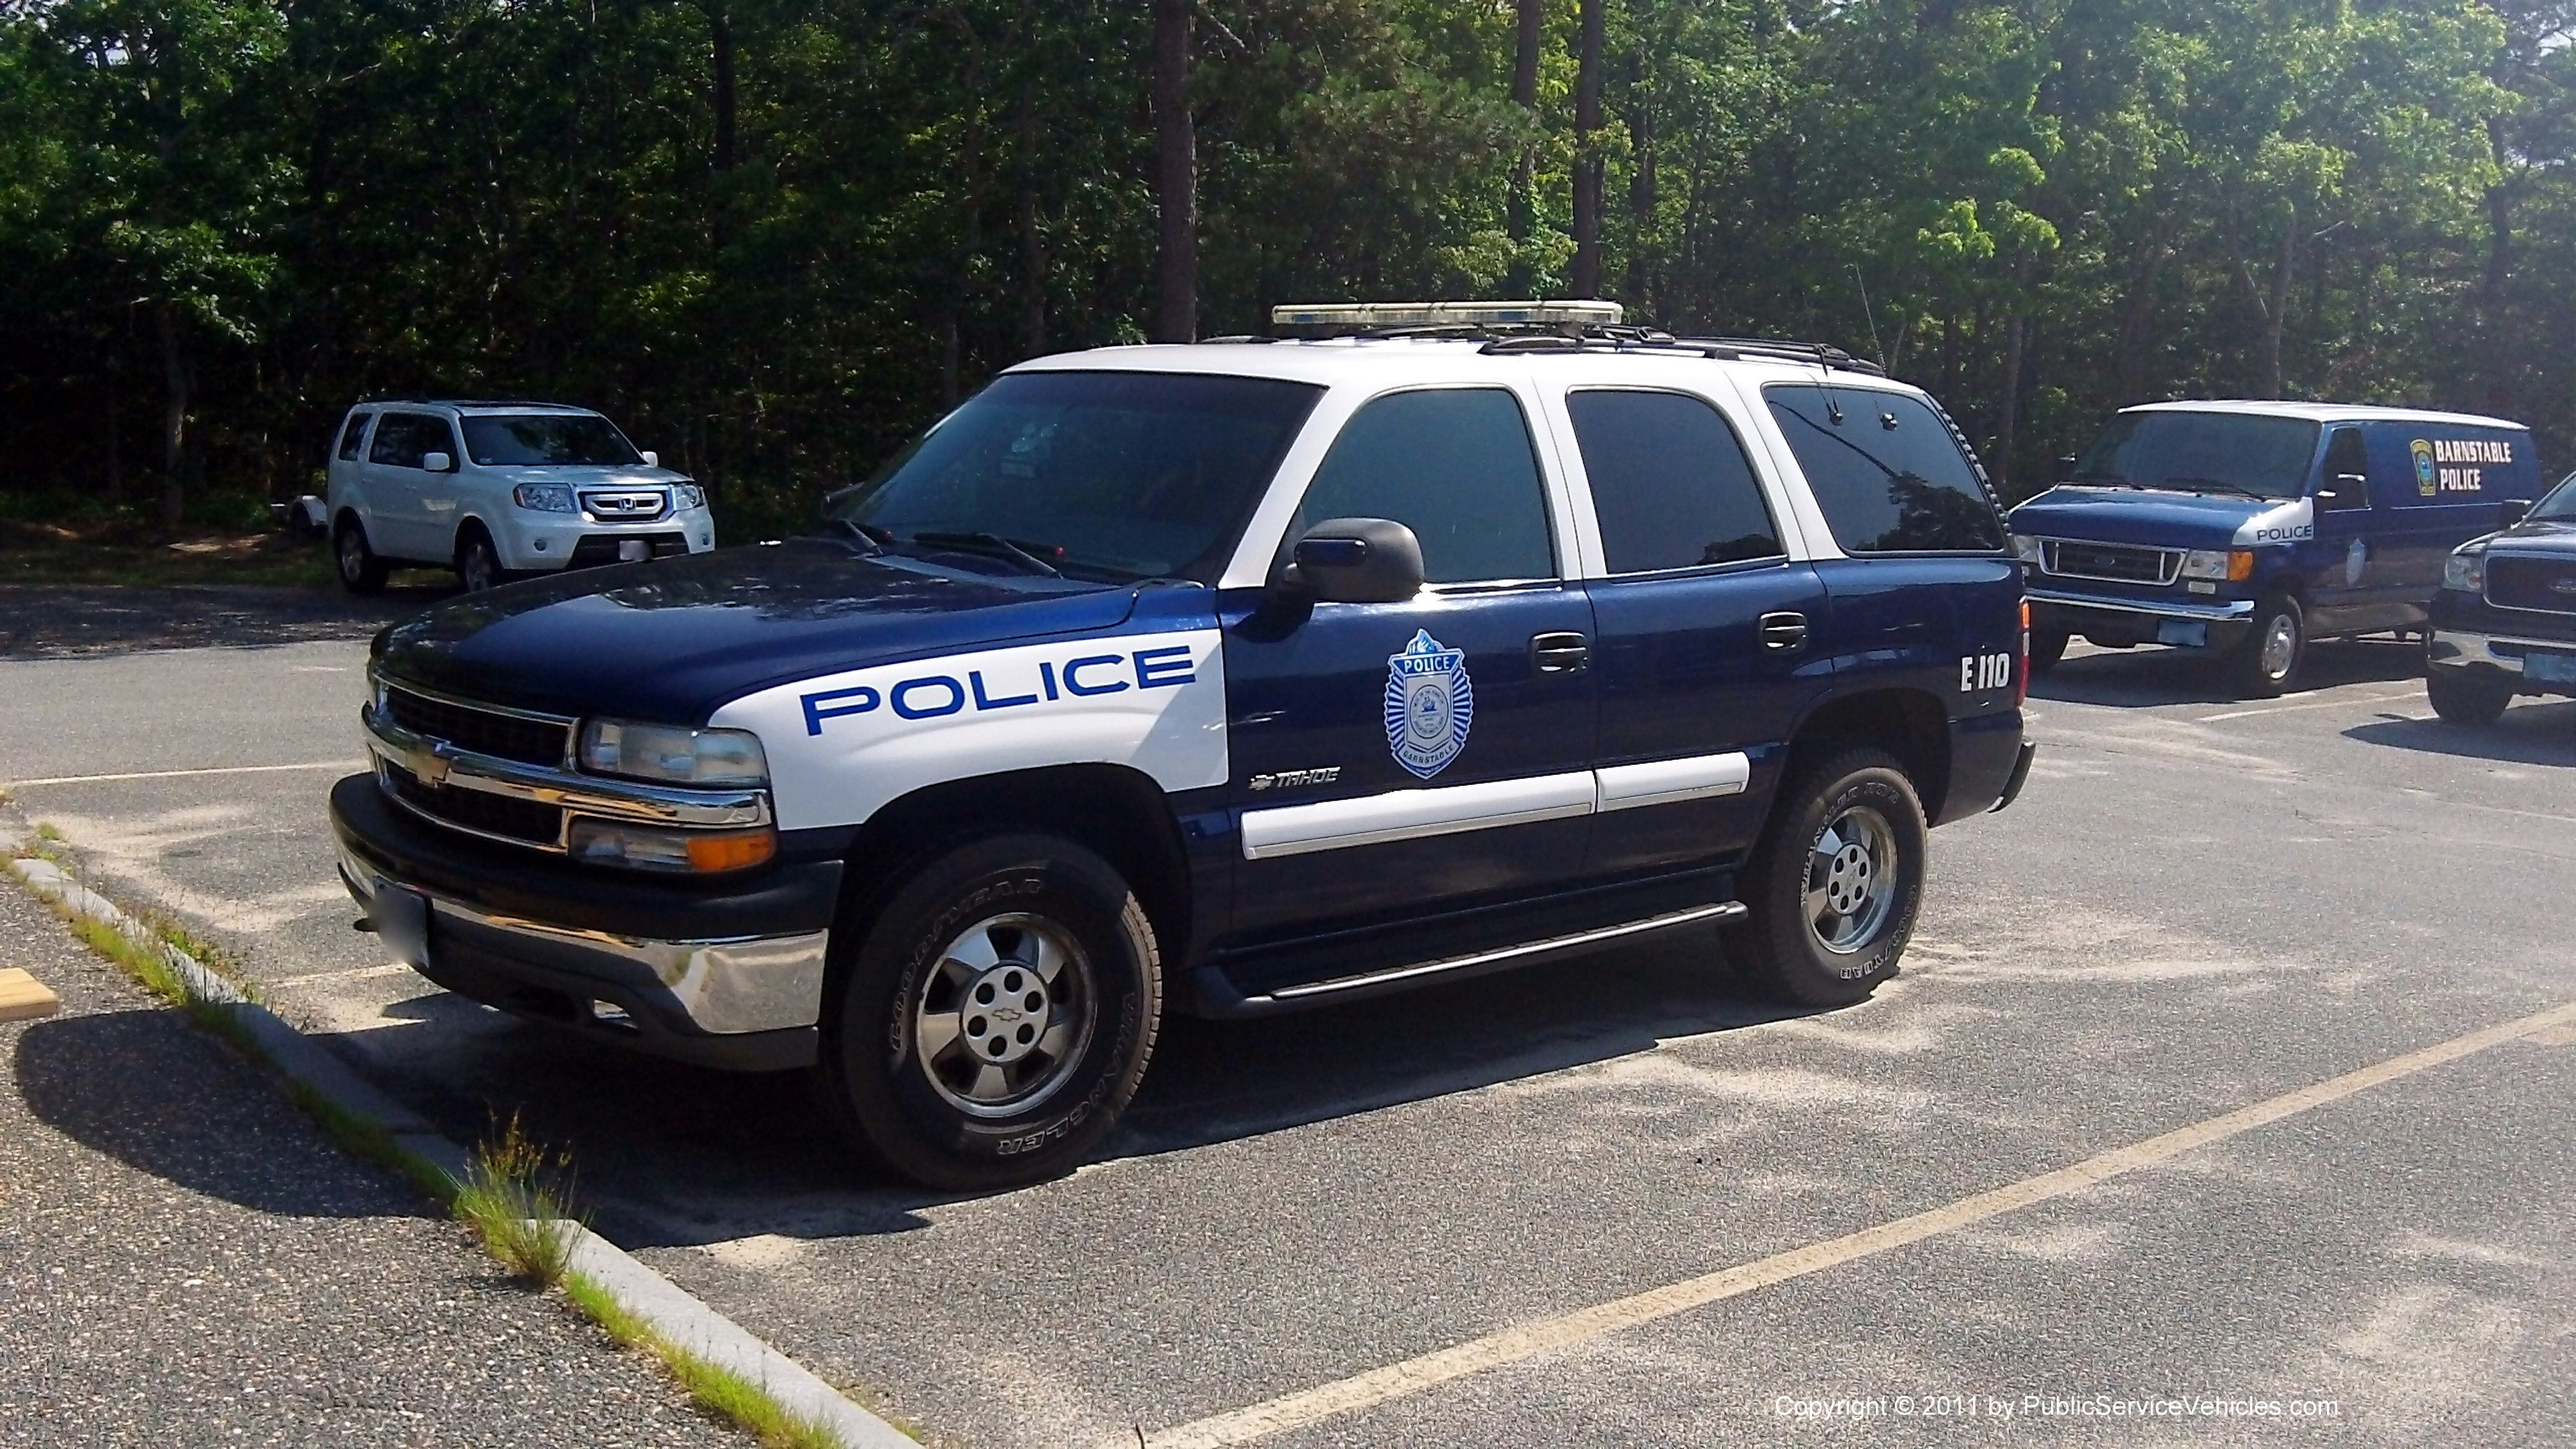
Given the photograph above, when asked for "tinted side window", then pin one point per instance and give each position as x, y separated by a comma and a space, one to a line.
1886, 471
2344, 454
1455, 466
1670, 482
350, 435
403, 439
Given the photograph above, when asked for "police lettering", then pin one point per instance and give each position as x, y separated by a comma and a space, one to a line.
2472, 450
932, 696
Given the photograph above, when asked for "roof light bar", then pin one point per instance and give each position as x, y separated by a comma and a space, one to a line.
1372, 315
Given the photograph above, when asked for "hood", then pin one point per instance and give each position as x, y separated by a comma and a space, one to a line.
671, 640
589, 475
2159, 519
2536, 536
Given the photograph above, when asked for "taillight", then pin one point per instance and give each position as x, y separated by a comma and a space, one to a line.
2021, 666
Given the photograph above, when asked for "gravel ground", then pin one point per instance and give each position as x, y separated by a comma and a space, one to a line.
185, 1260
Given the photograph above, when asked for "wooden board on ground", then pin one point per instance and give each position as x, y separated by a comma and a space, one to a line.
24, 998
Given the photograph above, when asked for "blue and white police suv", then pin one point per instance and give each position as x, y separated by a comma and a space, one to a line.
2249, 529
1234, 678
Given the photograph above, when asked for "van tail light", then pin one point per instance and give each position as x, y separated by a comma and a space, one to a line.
2021, 666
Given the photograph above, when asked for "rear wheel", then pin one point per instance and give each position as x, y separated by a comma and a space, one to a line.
2269, 658
996, 1017
2464, 698
361, 571
1835, 886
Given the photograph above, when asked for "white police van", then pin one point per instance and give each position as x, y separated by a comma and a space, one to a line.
2251, 529
494, 489
1228, 678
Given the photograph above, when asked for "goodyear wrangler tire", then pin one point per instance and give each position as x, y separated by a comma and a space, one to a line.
1835, 886
996, 1017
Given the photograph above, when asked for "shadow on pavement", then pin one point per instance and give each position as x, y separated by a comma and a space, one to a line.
2150, 675
145, 1088
2529, 734
74, 621
673, 1156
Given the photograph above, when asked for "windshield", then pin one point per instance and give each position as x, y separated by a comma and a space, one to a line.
1130, 474
547, 440
2263, 457
2559, 505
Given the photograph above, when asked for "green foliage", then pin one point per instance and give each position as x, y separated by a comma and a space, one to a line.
514, 1198
774, 237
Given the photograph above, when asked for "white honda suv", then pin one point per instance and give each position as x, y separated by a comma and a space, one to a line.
495, 489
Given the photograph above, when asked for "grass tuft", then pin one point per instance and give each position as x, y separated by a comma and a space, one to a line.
515, 1197
718, 1390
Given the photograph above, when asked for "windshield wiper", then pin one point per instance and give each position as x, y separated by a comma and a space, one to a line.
857, 535
1016, 552
2218, 483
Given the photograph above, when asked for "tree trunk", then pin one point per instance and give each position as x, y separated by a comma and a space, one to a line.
2277, 316
1176, 260
1033, 253
1587, 151
720, 204
1641, 196
174, 416
1522, 214
2497, 348
116, 448
2008, 417
2137, 312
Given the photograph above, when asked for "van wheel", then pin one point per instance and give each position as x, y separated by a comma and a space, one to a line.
2269, 658
478, 563
995, 1017
2465, 699
2047, 646
361, 571
1835, 886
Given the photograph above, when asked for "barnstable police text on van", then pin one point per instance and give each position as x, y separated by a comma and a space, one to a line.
2050, 1406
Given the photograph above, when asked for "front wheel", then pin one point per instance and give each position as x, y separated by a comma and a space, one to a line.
996, 1017
478, 563
2269, 658
1835, 886
2465, 699
2047, 647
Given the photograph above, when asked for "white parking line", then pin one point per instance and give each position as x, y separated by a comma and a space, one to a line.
2416, 693
180, 774
1529, 1340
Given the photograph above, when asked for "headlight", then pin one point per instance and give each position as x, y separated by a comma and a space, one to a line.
692, 496
2025, 548
543, 497
2218, 563
650, 847
2466, 571
673, 754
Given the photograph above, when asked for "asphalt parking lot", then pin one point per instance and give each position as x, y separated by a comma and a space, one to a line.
2198, 907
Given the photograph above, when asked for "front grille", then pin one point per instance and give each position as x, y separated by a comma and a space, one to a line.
2544, 584
523, 820
2117, 563
483, 731
644, 507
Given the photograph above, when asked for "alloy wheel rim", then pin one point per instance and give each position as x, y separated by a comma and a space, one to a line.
352, 560
478, 570
1004, 1016
1851, 881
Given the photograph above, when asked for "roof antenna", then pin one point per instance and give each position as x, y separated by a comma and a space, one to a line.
1876, 349
1833, 405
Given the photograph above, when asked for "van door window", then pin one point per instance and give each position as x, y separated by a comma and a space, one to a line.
2344, 460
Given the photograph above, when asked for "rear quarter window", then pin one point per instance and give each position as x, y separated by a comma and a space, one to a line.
1886, 471
350, 435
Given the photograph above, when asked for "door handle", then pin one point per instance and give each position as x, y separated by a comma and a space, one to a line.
1560, 653
1783, 632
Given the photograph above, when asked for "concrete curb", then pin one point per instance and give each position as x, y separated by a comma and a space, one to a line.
681, 1319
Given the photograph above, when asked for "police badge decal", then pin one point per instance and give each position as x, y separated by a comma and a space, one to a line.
1429, 705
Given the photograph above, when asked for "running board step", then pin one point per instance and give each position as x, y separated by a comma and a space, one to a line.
1581, 940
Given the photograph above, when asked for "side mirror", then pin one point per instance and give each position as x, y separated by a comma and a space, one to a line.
1356, 561
2066, 469
652, 459
2515, 511
437, 463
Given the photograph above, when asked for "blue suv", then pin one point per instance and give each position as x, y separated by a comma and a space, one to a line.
2250, 529
1227, 678
2505, 621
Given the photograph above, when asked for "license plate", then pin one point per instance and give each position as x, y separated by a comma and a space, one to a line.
401, 918
634, 550
2190, 633
2542, 668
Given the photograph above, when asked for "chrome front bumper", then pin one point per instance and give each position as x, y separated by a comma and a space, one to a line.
2160, 608
749, 1002
2459, 649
